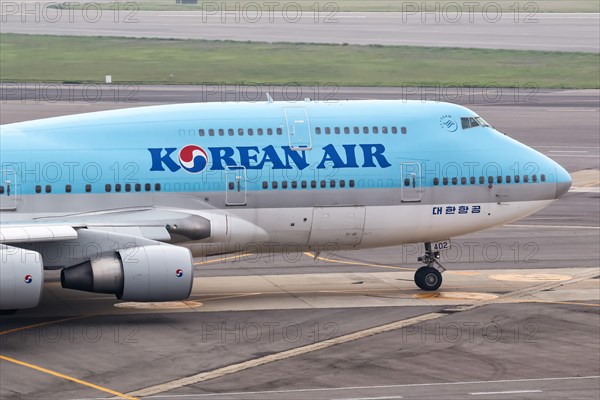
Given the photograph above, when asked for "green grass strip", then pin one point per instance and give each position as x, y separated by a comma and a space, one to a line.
158, 61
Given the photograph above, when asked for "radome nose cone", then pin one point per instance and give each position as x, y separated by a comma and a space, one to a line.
563, 181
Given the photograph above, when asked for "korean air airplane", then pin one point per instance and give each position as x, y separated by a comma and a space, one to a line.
121, 201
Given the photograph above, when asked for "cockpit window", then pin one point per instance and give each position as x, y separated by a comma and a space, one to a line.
472, 122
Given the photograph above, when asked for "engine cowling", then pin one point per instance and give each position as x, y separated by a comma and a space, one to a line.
21, 278
142, 273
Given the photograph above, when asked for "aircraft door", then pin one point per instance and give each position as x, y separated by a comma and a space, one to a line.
8, 189
298, 128
235, 189
410, 182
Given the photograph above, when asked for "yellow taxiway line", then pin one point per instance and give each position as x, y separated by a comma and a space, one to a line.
355, 263
69, 378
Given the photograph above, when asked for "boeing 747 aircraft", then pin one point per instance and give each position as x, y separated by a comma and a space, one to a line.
121, 201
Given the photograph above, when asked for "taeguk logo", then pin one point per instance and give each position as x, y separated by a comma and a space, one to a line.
193, 158
179, 273
28, 279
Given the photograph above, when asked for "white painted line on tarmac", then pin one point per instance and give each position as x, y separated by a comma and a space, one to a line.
332, 389
505, 392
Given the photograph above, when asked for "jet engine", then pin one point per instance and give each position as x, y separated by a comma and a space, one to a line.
21, 278
141, 273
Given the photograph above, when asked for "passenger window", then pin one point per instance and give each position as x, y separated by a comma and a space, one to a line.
445, 181
436, 181
38, 189
463, 181
118, 187
375, 129
327, 130
394, 130
499, 179
88, 188
517, 179
356, 130
68, 188
138, 187
454, 181
107, 188
148, 187
534, 178
543, 178
250, 132
384, 129
318, 130
406, 182
284, 185
472, 180
240, 131
201, 132
48, 189
403, 130
269, 131
313, 184
332, 184
279, 131
265, 185
323, 184
346, 130
342, 183
274, 185
365, 129
303, 184
230, 132
508, 179
337, 130
231, 186
351, 183
525, 178
128, 187
157, 187
294, 184
211, 132
259, 131
221, 132
490, 179
481, 180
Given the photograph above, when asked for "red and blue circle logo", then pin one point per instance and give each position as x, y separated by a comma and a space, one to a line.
28, 279
193, 158
179, 273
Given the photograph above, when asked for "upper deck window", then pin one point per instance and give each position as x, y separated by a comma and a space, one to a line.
472, 122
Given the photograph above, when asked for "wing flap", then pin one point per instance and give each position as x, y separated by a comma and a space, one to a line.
36, 233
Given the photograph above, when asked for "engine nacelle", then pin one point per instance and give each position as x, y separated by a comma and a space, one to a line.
21, 278
143, 273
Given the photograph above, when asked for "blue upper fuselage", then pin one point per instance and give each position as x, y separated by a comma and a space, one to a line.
192, 147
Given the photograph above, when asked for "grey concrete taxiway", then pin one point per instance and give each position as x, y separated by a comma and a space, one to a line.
520, 29
518, 316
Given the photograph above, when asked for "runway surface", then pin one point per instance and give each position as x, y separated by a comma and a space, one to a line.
522, 29
518, 316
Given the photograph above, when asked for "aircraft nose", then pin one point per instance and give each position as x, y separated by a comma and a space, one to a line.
563, 181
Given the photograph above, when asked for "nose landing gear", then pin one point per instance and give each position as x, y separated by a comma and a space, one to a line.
429, 276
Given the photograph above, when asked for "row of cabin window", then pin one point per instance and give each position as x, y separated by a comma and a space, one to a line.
490, 180
304, 184
318, 130
240, 132
128, 187
356, 130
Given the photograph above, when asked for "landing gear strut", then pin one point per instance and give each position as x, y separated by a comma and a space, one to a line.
429, 276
